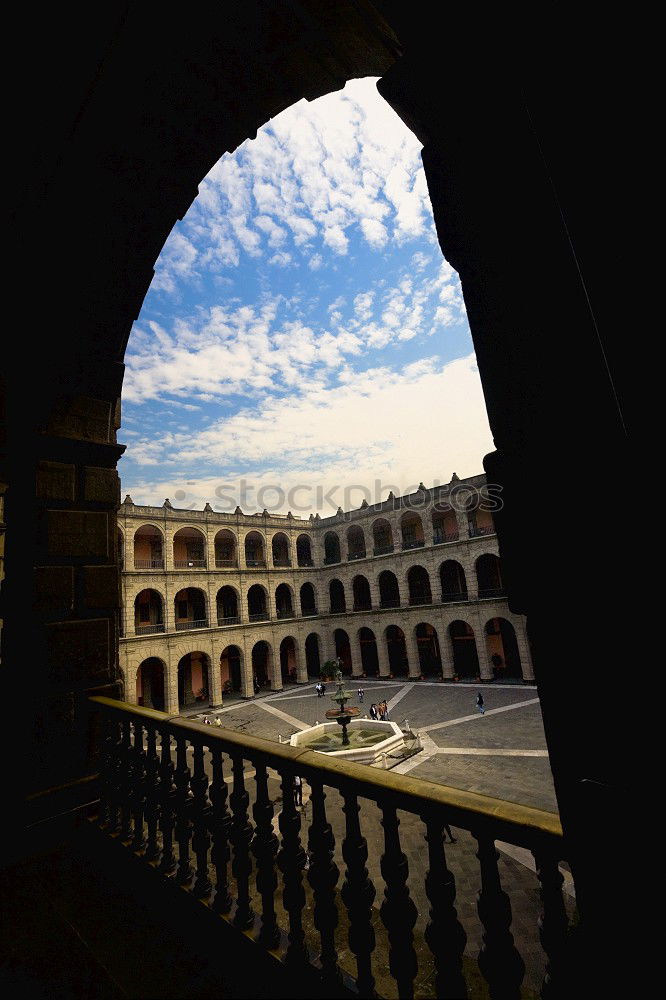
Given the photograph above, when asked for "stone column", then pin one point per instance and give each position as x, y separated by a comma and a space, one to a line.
412, 651
382, 653
171, 685
445, 651
247, 676
215, 682
485, 666
357, 659
301, 666
274, 665
524, 650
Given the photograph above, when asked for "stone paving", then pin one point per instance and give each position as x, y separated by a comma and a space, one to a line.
512, 723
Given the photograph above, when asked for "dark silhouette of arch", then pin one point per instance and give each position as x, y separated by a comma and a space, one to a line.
304, 551
397, 651
257, 603
308, 600
337, 595
382, 536
369, 656
430, 660
362, 598
331, 548
452, 578
502, 650
488, 575
343, 651
418, 582
148, 612
313, 660
284, 607
465, 656
389, 591
150, 684
227, 606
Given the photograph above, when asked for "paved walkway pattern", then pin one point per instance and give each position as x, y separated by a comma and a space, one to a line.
501, 753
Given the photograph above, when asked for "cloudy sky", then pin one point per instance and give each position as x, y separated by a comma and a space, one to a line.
303, 344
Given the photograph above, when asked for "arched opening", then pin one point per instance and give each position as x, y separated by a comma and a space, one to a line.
343, 651
479, 519
313, 655
411, 529
362, 598
382, 537
190, 609
148, 613
502, 649
397, 651
369, 656
280, 548
304, 551
284, 607
452, 579
308, 600
389, 591
227, 606
255, 554
427, 641
331, 548
150, 684
355, 543
418, 582
337, 595
463, 648
193, 680
148, 548
288, 660
488, 576
257, 603
225, 549
444, 525
262, 664
189, 551
231, 669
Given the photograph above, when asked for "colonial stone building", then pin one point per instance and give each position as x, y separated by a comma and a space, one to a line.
409, 587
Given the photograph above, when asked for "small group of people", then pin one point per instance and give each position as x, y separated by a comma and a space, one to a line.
206, 721
320, 688
379, 711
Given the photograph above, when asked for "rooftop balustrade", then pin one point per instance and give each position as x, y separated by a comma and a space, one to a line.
189, 820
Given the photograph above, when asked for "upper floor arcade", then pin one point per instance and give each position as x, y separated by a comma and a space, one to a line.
156, 539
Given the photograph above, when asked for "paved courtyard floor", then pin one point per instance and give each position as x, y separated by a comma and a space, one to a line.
501, 753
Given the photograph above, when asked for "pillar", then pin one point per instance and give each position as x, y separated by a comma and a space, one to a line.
412, 651
215, 682
301, 665
357, 659
382, 653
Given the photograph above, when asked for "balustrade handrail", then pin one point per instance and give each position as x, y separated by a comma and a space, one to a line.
381, 550
149, 563
228, 620
195, 623
355, 555
176, 813
414, 544
189, 564
512, 822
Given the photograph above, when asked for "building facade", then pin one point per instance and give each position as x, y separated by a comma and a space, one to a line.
219, 602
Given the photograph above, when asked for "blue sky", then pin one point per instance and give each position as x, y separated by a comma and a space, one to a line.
303, 343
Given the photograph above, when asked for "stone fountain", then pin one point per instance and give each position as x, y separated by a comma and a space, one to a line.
362, 740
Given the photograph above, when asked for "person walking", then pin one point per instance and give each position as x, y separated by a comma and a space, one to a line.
373, 711
361, 695
298, 790
480, 703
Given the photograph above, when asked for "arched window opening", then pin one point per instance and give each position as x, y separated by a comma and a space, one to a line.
489, 577
430, 660
444, 526
189, 549
463, 648
262, 665
227, 606
382, 536
411, 529
362, 598
313, 655
389, 591
355, 543
452, 578
225, 550
193, 680
283, 603
288, 660
148, 548
255, 555
280, 548
148, 614
304, 551
418, 582
337, 596
397, 651
502, 650
331, 548
231, 670
343, 651
190, 609
257, 604
308, 600
369, 655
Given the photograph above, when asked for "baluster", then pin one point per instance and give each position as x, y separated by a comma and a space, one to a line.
152, 793
323, 877
105, 819
115, 777
265, 848
553, 922
221, 830
167, 793
358, 894
398, 911
291, 860
241, 835
138, 797
201, 840
501, 965
125, 782
444, 934
183, 801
